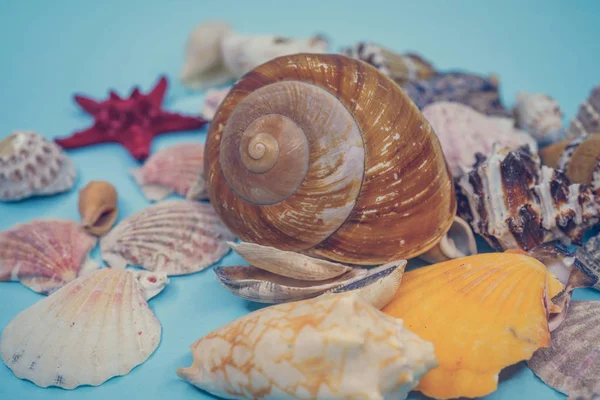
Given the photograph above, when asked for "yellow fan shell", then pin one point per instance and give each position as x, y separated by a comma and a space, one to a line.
482, 313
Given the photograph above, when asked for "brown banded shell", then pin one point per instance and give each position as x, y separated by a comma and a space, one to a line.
98, 207
324, 153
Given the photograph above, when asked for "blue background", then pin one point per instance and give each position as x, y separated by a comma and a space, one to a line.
49, 50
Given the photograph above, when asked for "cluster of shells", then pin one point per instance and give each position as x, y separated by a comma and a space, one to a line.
330, 196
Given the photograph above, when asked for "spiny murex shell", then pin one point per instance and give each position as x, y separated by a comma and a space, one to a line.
514, 203
401, 68
464, 132
175, 169
300, 156
571, 364
277, 276
44, 255
173, 236
540, 115
92, 329
331, 347
587, 121
216, 54
30, 165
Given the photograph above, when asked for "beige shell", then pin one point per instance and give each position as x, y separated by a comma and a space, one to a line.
98, 207
458, 242
325, 153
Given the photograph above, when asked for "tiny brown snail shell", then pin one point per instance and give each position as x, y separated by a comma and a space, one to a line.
324, 154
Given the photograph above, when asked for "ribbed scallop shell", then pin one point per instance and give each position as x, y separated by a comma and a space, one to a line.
571, 364
175, 169
587, 121
464, 132
356, 174
514, 203
91, 330
475, 91
333, 347
44, 255
482, 313
32, 166
174, 236
540, 115
401, 68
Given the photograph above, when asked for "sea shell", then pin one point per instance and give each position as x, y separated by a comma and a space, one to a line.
44, 255
571, 364
175, 169
98, 207
332, 347
174, 236
514, 203
458, 242
212, 101
91, 330
589, 254
540, 115
203, 58
482, 313
30, 165
401, 68
477, 92
379, 284
587, 120
578, 158
464, 132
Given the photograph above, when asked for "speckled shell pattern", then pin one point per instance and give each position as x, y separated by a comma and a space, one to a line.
371, 193
571, 364
589, 254
516, 204
464, 132
587, 120
333, 347
176, 169
94, 328
30, 166
472, 90
401, 68
173, 236
44, 255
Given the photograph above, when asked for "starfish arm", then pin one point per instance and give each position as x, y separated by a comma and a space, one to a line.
89, 105
176, 122
112, 95
137, 141
86, 137
157, 94
135, 93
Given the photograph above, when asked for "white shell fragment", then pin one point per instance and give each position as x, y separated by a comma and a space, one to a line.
30, 166
332, 347
44, 255
540, 115
177, 237
463, 132
288, 263
175, 169
87, 332
215, 54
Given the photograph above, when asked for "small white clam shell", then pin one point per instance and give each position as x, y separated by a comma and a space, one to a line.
288, 263
87, 332
333, 347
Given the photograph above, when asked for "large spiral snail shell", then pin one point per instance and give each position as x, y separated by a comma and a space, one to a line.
323, 153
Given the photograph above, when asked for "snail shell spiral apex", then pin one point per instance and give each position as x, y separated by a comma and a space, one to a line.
324, 154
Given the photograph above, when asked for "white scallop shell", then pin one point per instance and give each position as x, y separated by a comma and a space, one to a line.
173, 236
332, 347
463, 132
30, 165
175, 169
540, 115
87, 332
44, 255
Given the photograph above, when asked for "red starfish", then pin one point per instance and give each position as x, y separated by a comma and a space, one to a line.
132, 122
